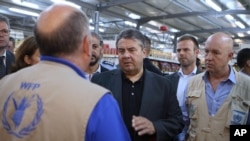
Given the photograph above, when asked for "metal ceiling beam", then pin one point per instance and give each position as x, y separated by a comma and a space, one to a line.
112, 14
213, 30
101, 6
206, 13
11, 4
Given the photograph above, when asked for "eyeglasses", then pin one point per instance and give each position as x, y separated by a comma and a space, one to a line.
4, 32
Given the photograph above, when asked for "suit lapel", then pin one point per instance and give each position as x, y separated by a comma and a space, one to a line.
116, 86
8, 62
147, 97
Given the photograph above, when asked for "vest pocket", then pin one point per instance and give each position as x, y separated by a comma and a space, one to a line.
239, 111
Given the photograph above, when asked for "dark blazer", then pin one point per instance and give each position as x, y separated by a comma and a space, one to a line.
159, 104
10, 59
149, 66
103, 69
175, 79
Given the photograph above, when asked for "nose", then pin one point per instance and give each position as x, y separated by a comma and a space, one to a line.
181, 52
208, 56
126, 54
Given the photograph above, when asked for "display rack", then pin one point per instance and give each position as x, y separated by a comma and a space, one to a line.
167, 66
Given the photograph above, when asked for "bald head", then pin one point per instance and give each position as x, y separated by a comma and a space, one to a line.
218, 53
60, 29
222, 39
47, 22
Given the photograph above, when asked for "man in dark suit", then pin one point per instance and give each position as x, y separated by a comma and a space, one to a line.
149, 107
95, 65
146, 62
187, 52
6, 57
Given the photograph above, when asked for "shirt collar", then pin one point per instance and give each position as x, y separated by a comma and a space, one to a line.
125, 78
231, 76
98, 69
4, 54
180, 72
65, 62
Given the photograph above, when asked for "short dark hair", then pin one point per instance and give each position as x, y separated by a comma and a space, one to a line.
66, 38
97, 37
242, 57
147, 39
198, 61
131, 34
11, 39
5, 19
147, 42
189, 37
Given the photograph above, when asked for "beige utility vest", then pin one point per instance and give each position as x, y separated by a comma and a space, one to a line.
234, 110
58, 104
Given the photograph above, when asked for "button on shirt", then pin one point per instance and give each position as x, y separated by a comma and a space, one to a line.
131, 102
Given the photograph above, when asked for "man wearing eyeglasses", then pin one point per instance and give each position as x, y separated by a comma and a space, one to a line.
6, 57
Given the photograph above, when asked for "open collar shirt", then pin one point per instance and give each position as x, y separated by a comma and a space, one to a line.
215, 98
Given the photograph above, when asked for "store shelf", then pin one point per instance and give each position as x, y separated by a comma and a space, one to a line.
163, 60
110, 56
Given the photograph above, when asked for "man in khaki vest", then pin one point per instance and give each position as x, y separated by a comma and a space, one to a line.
218, 97
52, 100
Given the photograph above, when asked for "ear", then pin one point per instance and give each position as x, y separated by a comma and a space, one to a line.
86, 46
231, 55
102, 49
248, 63
197, 51
27, 59
144, 51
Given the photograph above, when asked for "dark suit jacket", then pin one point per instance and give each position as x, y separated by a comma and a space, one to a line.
159, 104
149, 66
10, 59
175, 79
103, 69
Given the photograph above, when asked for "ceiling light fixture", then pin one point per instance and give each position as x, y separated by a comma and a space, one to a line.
213, 5
154, 23
91, 28
130, 23
229, 17
240, 34
101, 30
134, 16
20, 11
239, 24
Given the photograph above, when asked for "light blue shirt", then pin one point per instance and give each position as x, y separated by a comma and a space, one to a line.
182, 84
216, 98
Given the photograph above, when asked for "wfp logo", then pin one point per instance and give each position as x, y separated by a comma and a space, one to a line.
238, 117
12, 121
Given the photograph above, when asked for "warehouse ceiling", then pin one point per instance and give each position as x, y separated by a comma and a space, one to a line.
108, 17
